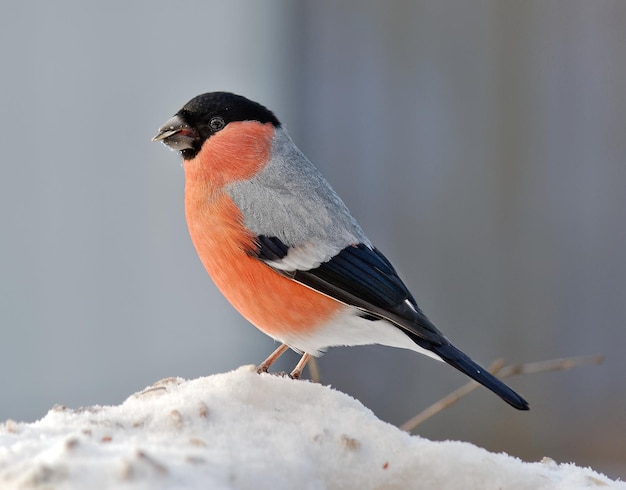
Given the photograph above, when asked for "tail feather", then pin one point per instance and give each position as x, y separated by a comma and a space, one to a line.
463, 363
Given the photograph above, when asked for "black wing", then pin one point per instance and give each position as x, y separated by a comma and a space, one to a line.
362, 277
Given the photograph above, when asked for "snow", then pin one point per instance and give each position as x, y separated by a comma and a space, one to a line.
240, 430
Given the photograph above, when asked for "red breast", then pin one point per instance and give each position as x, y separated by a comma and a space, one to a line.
276, 305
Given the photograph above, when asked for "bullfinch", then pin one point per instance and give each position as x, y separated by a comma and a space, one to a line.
282, 246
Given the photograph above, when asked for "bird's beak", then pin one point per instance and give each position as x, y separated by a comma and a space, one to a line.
176, 134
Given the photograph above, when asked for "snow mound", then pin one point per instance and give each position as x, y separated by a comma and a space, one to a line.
245, 431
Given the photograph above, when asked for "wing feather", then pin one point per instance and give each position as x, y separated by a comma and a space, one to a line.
359, 276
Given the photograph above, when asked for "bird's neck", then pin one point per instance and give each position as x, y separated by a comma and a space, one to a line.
238, 152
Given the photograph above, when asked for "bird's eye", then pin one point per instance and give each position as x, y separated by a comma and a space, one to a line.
216, 123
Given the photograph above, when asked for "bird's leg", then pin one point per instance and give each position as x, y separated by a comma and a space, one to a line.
297, 371
265, 365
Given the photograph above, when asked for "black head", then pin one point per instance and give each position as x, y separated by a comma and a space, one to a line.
207, 114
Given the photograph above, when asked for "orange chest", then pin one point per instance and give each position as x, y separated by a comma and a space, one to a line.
273, 303
218, 234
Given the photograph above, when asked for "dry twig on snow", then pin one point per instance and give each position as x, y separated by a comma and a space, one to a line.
500, 371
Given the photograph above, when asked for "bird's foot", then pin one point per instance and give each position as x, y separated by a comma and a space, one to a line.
297, 372
265, 365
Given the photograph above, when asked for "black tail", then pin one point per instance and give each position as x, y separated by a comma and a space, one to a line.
460, 361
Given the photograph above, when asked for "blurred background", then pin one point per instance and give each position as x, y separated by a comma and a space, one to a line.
481, 144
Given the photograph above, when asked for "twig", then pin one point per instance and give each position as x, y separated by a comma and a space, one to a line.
448, 400
314, 370
499, 371
552, 365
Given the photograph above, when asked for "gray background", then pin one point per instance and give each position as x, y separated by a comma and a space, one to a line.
481, 144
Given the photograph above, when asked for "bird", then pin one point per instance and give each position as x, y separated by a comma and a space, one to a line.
284, 249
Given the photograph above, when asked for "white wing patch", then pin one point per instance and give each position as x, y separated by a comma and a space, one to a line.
305, 257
